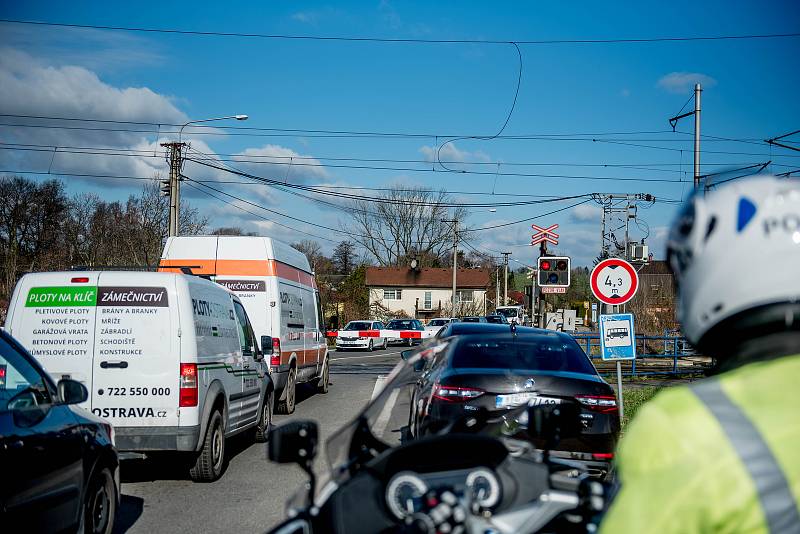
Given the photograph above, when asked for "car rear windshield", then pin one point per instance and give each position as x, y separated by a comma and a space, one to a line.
358, 325
400, 325
508, 312
495, 319
437, 322
540, 354
470, 320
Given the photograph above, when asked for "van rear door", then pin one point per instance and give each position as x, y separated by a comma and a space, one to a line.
136, 363
52, 315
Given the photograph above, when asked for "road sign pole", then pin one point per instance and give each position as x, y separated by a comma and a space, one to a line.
610, 309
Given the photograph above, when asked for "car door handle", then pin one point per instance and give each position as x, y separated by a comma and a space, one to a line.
114, 365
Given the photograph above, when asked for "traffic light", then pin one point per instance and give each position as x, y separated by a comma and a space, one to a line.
165, 188
554, 271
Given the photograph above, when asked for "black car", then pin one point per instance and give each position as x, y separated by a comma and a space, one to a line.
473, 319
406, 324
496, 368
59, 466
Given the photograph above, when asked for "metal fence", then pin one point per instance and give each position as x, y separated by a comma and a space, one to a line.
655, 355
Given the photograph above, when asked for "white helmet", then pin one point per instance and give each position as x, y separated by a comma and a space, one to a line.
736, 249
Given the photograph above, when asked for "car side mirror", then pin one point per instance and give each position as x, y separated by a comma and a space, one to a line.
266, 345
406, 354
554, 422
294, 442
71, 391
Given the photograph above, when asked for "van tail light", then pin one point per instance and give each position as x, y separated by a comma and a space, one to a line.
275, 359
188, 390
599, 403
455, 394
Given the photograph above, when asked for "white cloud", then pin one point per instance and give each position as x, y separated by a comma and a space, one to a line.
585, 213
281, 163
307, 17
451, 153
683, 82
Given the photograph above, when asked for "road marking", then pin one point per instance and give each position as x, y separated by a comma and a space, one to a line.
386, 413
369, 356
379, 383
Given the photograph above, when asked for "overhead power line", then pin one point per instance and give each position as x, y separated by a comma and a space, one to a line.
206, 33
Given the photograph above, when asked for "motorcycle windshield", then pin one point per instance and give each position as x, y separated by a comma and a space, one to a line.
384, 421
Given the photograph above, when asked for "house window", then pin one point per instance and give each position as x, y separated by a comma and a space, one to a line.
428, 300
465, 295
392, 294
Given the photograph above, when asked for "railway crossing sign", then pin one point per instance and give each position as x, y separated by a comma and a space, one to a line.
617, 337
614, 281
544, 234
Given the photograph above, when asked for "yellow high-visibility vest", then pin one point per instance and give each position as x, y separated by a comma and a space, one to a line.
720, 455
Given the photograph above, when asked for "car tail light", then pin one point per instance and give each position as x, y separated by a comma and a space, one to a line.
188, 390
598, 403
455, 393
603, 455
109, 428
3, 376
80, 280
275, 359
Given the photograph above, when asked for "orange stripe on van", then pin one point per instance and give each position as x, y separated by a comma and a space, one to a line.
241, 268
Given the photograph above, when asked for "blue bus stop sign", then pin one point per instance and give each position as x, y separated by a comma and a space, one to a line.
617, 337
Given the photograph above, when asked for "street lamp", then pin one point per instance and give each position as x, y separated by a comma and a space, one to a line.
175, 164
236, 117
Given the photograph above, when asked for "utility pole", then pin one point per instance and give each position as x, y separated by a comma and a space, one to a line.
497, 287
542, 311
505, 277
674, 122
175, 163
455, 261
697, 91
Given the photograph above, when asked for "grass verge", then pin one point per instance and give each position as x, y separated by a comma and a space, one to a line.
634, 398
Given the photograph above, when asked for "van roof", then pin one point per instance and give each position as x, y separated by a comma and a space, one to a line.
206, 254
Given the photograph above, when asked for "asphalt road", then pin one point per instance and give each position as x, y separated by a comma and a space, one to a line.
251, 495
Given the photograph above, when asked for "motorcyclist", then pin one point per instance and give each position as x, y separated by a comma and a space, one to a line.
723, 454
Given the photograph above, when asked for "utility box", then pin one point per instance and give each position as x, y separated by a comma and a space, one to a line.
569, 320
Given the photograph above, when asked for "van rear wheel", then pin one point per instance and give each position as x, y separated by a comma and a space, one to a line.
286, 406
265, 419
324, 380
209, 464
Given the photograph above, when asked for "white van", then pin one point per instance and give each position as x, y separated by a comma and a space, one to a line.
170, 360
275, 283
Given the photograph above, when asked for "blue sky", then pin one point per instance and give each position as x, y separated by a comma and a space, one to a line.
588, 91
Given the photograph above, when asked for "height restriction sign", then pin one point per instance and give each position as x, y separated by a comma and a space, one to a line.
614, 281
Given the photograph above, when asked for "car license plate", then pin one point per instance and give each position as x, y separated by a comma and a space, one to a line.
518, 399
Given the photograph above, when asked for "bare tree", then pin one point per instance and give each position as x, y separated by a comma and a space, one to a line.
404, 223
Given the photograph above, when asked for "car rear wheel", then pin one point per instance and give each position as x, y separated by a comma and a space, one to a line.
100, 503
265, 419
286, 406
209, 464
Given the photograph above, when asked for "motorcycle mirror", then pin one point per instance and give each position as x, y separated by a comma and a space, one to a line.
294, 442
554, 422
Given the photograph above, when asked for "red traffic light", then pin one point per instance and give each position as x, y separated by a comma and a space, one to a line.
544, 265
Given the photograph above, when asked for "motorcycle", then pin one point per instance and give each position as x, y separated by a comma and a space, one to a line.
481, 473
